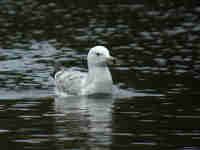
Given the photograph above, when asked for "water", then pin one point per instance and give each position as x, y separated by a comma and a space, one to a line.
157, 45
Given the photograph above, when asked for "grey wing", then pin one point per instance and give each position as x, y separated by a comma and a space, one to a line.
69, 82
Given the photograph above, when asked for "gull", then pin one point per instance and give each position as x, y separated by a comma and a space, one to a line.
98, 79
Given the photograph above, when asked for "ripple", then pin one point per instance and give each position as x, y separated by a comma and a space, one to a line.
31, 141
145, 143
4, 131
158, 70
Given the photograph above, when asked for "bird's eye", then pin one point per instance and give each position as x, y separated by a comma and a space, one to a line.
98, 54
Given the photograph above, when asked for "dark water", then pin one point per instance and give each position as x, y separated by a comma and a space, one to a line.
157, 44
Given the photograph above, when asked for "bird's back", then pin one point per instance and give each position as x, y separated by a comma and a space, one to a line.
69, 82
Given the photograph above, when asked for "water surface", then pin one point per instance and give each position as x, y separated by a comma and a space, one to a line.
157, 45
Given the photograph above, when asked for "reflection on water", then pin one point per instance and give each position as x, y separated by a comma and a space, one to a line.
148, 122
157, 45
87, 119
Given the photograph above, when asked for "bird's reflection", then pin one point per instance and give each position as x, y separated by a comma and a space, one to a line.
86, 119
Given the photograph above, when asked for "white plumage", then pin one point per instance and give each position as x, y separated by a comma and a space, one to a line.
98, 79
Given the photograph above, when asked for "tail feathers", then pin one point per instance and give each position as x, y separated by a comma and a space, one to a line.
57, 67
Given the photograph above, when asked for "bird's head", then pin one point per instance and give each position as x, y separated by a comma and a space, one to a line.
99, 56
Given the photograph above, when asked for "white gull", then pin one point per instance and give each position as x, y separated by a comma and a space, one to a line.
97, 80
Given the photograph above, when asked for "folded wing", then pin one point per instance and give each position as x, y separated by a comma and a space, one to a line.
70, 82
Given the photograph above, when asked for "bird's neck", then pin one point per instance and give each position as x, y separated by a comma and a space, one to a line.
99, 74
99, 80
